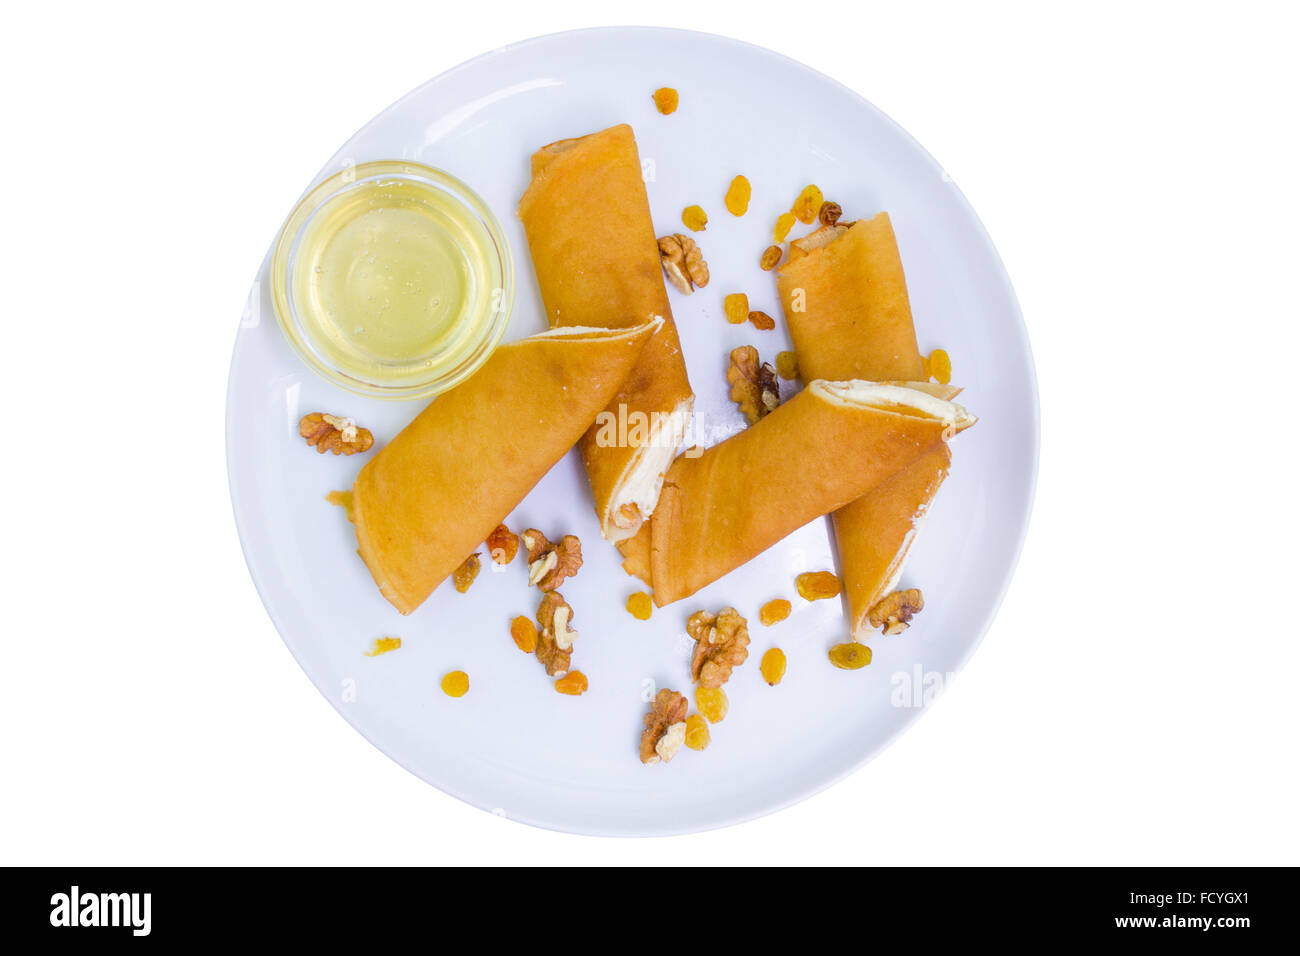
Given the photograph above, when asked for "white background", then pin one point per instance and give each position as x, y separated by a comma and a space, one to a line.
1135, 702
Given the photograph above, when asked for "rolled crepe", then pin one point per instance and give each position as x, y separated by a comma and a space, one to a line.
827, 446
849, 316
593, 246
435, 492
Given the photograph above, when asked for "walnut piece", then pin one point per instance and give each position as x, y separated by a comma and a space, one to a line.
555, 640
467, 572
721, 643
502, 544
830, 213
753, 387
334, 433
894, 611
665, 727
683, 263
549, 564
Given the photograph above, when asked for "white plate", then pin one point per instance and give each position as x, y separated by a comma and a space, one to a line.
514, 746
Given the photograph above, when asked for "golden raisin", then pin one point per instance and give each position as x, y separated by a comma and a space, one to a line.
639, 606
773, 611
769, 259
850, 656
665, 100
694, 218
736, 306
939, 366
807, 205
784, 223
712, 703
502, 544
737, 200
772, 666
697, 732
383, 645
467, 572
573, 683
787, 365
524, 633
762, 321
455, 684
815, 585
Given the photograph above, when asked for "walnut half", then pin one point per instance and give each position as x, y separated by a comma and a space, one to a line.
556, 637
894, 611
753, 386
683, 263
549, 564
665, 727
721, 643
334, 433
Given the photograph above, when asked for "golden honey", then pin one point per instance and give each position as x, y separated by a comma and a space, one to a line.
392, 279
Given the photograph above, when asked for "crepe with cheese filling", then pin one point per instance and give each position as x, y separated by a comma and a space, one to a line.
847, 308
593, 247
829, 445
435, 492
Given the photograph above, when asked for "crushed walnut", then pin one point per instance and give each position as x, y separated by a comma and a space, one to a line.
334, 433
467, 572
665, 727
555, 641
753, 386
721, 643
683, 263
894, 611
830, 213
502, 544
549, 564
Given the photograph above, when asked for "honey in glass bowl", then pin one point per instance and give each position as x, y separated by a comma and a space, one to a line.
392, 279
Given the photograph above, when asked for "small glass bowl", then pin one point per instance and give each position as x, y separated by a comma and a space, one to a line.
395, 378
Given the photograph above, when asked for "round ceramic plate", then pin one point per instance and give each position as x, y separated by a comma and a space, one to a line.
512, 745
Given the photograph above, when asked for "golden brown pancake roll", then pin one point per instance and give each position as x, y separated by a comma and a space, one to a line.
594, 250
847, 308
827, 446
435, 492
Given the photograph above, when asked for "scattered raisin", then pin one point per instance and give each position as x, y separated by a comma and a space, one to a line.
573, 683
694, 218
784, 223
712, 703
467, 572
787, 365
774, 611
455, 684
770, 258
772, 666
524, 633
830, 213
815, 585
939, 366
639, 606
807, 205
665, 100
697, 732
851, 656
762, 321
737, 199
736, 307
